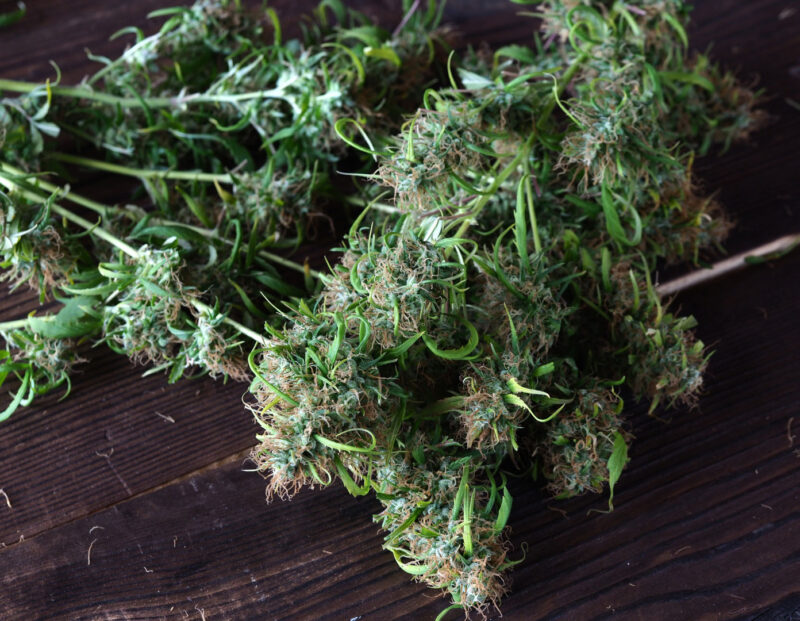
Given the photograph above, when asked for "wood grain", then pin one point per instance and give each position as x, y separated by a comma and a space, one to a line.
706, 524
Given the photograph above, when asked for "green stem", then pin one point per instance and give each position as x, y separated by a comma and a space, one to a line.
178, 101
7, 326
537, 242
93, 228
141, 173
98, 208
244, 330
498, 181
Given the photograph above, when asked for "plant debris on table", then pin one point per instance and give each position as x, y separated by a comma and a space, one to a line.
494, 297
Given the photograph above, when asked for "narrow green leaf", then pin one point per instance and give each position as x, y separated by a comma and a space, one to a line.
521, 229
504, 512
196, 208
414, 570
341, 327
605, 268
516, 387
520, 53
384, 53
349, 484
613, 223
397, 531
461, 353
689, 78
17, 400
348, 448
462, 490
402, 348
617, 461
677, 26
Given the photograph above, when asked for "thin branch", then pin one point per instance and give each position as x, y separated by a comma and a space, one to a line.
771, 250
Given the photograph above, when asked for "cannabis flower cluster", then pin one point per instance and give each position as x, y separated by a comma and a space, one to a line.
494, 298
493, 312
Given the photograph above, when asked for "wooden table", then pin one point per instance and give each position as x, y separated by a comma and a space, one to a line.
131, 499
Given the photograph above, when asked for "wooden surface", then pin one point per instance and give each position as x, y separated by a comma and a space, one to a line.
118, 513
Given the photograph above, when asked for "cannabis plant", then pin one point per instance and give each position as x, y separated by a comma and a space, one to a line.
492, 314
493, 301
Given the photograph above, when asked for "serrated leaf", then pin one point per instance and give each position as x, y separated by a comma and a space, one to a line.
72, 321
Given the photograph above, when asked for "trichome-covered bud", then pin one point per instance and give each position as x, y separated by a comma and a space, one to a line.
445, 523
139, 321
23, 126
40, 363
579, 442
318, 397
33, 245
398, 283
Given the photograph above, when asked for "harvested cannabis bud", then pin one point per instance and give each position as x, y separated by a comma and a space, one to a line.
496, 307
219, 90
493, 299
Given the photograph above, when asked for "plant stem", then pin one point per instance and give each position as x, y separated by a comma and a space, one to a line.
6, 326
178, 101
244, 330
75, 198
537, 242
93, 228
774, 249
142, 173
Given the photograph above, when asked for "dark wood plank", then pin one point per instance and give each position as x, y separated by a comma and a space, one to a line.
54, 467
706, 526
